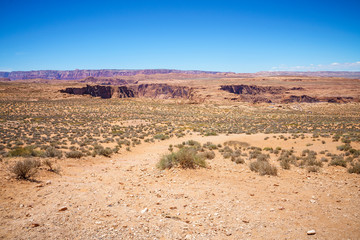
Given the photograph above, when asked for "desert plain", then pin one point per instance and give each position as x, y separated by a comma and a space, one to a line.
276, 157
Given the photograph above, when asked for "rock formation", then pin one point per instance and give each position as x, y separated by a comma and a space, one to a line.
252, 89
162, 91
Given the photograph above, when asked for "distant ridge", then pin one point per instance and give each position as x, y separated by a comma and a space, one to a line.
343, 74
84, 73
80, 74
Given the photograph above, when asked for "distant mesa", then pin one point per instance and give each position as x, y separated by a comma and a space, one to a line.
83, 74
110, 73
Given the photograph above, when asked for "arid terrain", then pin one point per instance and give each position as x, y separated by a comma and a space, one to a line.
276, 157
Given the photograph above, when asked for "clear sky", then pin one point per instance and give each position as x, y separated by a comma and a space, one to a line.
237, 36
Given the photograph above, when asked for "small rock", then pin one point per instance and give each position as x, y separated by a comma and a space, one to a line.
173, 208
311, 232
144, 210
63, 209
35, 225
48, 182
246, 220
281, 208
312, 201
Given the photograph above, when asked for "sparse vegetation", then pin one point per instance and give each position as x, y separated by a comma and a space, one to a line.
186, 157
25, 169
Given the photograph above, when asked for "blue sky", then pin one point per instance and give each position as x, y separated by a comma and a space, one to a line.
237, 36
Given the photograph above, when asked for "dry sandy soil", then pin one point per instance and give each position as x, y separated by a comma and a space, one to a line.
127, 197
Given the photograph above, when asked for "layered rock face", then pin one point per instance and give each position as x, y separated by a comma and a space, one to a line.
268, 94
161, 91
252, 89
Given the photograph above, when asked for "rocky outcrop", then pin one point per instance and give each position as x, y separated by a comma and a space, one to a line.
338, 99
252, 89
81, 74
4, 79
160, 91
163, 91
95, 91
299, 99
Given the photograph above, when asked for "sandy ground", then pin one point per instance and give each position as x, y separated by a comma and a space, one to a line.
126, 197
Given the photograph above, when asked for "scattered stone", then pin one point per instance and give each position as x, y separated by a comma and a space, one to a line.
246, 220
144, 210
281, 208
33, 225
311, 232
63, 209
48, 182
312, 201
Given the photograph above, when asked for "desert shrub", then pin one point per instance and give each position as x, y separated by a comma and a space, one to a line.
338, 161
210, 146
25, 169
285, 163
236, 144
161, 136
237, 160
53, 152
28, 151
263, 168
186, 157
254, 153
313, 168
355, 169
193, 144
106, 152
262, 157
208, 154
74, 154
50, 165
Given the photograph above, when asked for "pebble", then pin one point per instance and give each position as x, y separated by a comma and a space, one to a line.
35, 225
63, 209
311, 232
144, 210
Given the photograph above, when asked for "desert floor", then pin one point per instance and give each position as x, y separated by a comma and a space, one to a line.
127, 197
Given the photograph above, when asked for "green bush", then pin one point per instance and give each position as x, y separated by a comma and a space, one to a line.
186, 157
28, 151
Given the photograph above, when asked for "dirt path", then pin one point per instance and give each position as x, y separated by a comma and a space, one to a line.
126, 197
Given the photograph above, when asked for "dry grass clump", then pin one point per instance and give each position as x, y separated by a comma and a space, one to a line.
186, 157
50, 165
236, 144
337, 160
355, 169
263, 168
74, 154
25, 169
52, 152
